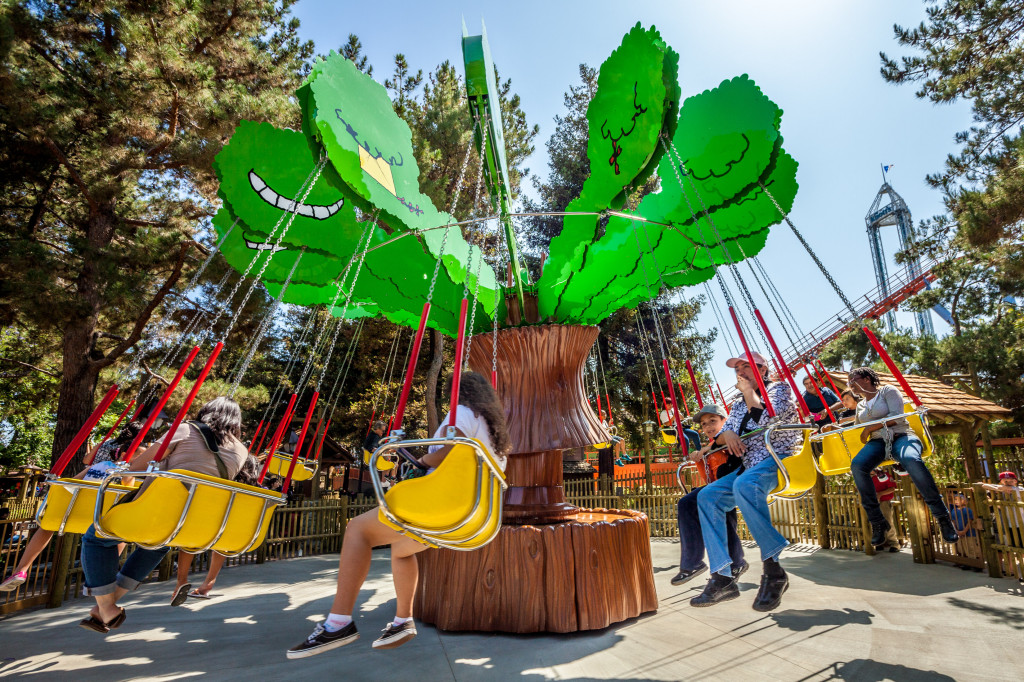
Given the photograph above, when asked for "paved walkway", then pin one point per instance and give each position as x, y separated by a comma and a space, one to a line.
846, 616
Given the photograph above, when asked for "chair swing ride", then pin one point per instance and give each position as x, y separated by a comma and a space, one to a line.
333, 216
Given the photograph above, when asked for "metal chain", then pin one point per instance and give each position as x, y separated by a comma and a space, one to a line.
276, 398
779, 299
810, 252
315, 173
307, 370
727, 330
344, 309
476, 298
263, 328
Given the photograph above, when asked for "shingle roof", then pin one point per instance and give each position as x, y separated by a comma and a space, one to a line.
942, 400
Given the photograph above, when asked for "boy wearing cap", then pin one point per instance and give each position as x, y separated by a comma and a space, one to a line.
711, 418
748, 487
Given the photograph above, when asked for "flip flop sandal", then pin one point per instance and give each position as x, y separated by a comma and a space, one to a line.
96, 625
196, 594
181, 594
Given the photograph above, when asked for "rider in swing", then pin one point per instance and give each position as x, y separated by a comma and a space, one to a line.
748, 487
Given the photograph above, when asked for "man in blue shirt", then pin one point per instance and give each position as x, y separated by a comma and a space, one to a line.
818, 413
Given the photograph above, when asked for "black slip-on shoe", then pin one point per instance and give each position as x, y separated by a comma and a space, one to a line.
395, 635
685, 576
321, 640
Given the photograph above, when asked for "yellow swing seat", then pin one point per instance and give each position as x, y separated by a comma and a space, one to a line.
191, 511
383, 464
797, 474
668, 436
279, 463
839, 447
69, 504
457, 506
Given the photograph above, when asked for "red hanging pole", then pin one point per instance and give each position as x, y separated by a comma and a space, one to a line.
411, 369
142, 406
817, 389
722, 396
302, 437
608, 408
682, 397
188, 401
892, 367
657, 410
494, 379
130, 452
827, 376
785, 369
696, 390
83, 433
753, 365
323, 437
259, 445
117, 423
272, 446
711, 392
369, 424
460, 347
255, 434
600, 415
311, 450
675, 409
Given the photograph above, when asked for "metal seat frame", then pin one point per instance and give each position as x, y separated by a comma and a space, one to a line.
779, 461
192, 485
433, 536
76, 486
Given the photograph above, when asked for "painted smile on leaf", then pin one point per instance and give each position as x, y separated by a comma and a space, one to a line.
268, 195
264, 246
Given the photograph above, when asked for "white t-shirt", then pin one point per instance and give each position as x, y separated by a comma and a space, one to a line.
98, 471
473, 426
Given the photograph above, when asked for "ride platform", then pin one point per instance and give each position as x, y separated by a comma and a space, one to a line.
846, 616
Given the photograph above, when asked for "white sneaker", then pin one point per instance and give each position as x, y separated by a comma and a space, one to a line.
395, 635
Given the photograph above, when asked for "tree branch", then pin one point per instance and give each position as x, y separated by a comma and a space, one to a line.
142, 223
38, 369
153, 374
75, 177
147, 312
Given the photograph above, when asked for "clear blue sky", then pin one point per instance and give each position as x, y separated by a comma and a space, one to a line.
818, 60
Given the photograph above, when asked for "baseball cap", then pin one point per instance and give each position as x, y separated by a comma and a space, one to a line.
713, 408
758, 359
1007, 474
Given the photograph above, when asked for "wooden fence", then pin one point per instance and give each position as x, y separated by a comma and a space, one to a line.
302, 528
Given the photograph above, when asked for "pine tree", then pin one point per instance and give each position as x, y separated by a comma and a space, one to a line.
110, 116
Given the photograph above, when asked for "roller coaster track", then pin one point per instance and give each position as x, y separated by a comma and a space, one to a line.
871, 306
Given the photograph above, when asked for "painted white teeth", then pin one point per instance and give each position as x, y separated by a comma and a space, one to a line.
263, 246
274, 199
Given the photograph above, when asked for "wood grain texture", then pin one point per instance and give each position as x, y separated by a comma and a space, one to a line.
583, 574
540, 381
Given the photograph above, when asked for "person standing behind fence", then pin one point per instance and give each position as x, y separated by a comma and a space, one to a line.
890, 439
963, 518
1011, 491
885, 488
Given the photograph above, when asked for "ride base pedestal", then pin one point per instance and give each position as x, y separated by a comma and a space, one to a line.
552, 567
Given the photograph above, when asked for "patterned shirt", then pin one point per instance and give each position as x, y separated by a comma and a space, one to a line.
784, 442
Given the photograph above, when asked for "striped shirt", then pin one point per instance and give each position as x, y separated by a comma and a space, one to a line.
784, 442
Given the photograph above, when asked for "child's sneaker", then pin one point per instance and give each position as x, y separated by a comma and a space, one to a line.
14, 582
322, 640
395, 635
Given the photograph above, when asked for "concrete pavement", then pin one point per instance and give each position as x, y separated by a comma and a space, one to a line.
846, 616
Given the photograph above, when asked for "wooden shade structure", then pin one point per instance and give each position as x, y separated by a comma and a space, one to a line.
950, 411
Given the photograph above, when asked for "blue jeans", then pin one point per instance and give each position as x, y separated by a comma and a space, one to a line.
906, 449
691, 539
748, 491
100, 559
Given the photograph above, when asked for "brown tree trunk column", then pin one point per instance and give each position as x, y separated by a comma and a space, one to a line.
553, 567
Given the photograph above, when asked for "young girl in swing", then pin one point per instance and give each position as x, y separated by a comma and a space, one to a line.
483, 419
